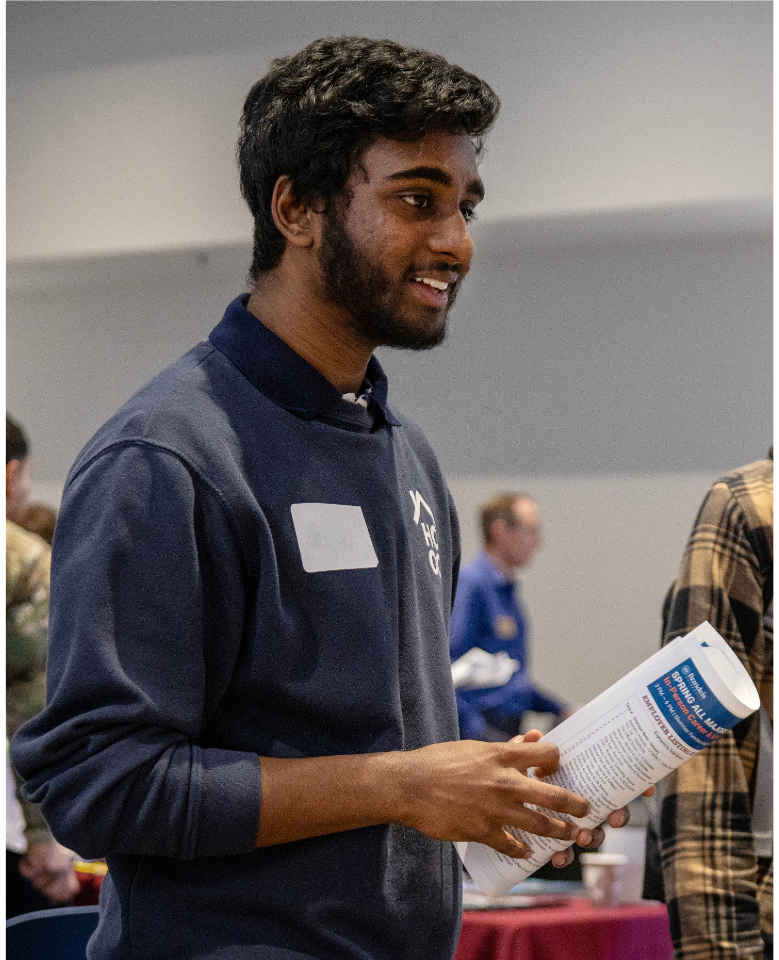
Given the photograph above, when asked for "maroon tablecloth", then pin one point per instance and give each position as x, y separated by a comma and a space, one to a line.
574, 930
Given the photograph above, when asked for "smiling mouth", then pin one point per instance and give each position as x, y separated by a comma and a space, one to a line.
435, 284
431, 293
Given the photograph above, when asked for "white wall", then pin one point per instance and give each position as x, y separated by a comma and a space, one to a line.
606, 105
622, 356
594, 592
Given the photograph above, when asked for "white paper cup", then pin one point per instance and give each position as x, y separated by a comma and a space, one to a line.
631, 841
604, 875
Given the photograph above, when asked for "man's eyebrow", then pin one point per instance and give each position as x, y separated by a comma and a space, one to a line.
437, 175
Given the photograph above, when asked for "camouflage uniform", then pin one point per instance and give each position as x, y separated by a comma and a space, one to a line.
28, 564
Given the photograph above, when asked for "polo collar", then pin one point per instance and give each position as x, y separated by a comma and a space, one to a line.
491, 571
283, 376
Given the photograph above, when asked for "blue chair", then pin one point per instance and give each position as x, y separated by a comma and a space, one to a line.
57, 934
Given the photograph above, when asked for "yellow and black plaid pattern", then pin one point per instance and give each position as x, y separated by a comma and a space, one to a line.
719, 894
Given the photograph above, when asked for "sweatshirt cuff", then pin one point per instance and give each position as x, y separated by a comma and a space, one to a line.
230, 803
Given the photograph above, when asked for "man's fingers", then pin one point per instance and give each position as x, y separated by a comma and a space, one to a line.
541, 771
619, 818
504, 842
591, 838
553, 798
532, 736
563, 858
528, 753
531, 821
33, 871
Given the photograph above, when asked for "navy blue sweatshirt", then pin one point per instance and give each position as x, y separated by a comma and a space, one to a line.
198, 622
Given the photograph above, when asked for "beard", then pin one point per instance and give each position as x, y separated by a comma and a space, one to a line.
371, 299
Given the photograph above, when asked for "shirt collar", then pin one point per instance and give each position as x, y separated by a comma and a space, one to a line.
283, 376
491, 571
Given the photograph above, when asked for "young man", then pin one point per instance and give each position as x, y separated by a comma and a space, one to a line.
250, 706
489, 616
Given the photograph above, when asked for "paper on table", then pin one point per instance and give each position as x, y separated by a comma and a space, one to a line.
664, 711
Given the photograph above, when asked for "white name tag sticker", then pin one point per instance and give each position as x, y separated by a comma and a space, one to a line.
332, 536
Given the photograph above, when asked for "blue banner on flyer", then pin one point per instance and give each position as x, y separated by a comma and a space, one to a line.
692, 711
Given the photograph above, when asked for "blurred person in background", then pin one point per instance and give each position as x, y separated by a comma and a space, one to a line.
39, 872
40, 518
489, 630
715, 819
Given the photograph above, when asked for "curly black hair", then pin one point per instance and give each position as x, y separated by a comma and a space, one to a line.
314, 114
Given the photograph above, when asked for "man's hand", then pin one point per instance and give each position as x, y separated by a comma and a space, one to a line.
467, 790
589, 839
50, 870
472, 791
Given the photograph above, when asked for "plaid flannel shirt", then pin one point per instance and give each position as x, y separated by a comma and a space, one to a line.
719, 894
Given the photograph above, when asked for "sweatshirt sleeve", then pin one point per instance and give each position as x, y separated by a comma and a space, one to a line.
147, 583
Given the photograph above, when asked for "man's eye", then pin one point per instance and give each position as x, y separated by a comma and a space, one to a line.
468, 214
418, 200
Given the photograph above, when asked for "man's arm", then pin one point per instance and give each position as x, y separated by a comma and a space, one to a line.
451, 791
134, 669
711, 873
140, 594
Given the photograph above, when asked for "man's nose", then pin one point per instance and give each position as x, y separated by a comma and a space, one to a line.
452, 237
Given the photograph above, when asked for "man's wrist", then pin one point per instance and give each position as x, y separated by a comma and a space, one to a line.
316, 796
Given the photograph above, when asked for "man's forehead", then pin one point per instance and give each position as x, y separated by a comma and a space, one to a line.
439, 156
526, 511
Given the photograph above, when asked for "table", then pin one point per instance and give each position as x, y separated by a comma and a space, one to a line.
573, 930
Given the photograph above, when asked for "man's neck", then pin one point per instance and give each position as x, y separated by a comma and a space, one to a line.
506, 571
320, 335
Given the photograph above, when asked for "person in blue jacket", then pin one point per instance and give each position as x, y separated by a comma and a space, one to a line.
489, 617
250, 710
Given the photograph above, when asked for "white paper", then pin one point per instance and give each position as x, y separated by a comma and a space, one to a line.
479, 670
628, 738
332, 536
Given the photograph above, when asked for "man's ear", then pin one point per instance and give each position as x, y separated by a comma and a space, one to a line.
11, 477
498, 530
296, 219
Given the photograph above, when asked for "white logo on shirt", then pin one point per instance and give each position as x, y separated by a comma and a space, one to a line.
428, 530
